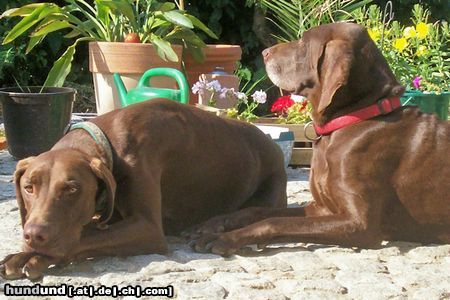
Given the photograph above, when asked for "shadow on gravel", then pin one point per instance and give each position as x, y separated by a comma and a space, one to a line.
7, 167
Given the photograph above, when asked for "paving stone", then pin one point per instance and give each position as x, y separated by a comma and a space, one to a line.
428, 254
167, 266
371, 291
239, 280
255, 294
257, 265
201, 290
304, 260
295, 287
216, 265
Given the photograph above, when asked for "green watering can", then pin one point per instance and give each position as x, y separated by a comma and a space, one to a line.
143, 91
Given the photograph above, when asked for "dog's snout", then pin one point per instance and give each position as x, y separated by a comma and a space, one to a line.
36, 235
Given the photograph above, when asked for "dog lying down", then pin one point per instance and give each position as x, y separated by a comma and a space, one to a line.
116, 185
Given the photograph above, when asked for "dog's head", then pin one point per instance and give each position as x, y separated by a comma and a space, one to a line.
335, 66
58, 193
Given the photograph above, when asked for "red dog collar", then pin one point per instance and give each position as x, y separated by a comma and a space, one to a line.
381, 107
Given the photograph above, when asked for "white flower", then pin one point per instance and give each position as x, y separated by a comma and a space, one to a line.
259, 96
214, 86
199, 87
241, 96
227, 93
298, 98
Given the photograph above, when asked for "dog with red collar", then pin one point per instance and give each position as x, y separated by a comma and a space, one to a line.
379, 171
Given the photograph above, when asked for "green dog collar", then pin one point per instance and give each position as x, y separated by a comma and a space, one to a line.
99, 137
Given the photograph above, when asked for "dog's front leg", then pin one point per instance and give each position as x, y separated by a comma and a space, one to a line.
334, 230
140, 231
131, 236
348, 227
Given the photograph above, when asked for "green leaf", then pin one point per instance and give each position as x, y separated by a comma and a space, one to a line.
103, 13
50, 27
74, 33
6, 57
199, 24
178, 19
61, 68
158, 23
179, 35
34, 40
167, 6
196, 53
164, 49
120, 8
100, 30
29, 21
22, 11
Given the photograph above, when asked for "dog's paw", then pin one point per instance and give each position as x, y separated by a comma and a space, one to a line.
224, 223
11, 267
212, 226
24, 265
221, 244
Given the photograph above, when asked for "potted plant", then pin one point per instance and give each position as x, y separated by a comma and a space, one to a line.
35, 117
154, 33
220, 55
418, 55
213, 56
279, 126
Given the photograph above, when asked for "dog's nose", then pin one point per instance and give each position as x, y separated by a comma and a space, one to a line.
266, 54
35, 235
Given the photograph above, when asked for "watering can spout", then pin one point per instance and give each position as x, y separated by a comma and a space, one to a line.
120, 88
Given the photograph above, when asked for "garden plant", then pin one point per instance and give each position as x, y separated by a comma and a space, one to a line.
161, 23
417, 54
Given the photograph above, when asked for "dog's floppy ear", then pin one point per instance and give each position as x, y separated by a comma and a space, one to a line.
21, 167
335, 70
106, 198
315, 51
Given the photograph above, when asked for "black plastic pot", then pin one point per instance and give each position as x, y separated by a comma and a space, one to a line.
34, 120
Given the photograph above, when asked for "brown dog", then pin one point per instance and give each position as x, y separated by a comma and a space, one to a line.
173, 166
384, 178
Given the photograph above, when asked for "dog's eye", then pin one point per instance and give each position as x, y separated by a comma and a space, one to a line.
29, 189
71, 189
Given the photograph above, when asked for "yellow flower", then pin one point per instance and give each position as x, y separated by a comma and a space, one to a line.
374, 34
400, 44
409, 32
422, 50
422, 30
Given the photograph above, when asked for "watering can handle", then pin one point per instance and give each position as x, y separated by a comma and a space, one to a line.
121, 89
169, 72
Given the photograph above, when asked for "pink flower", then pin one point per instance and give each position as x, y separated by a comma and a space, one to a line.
416, 82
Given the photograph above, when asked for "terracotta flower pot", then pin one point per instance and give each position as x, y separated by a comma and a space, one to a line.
224, 56
130, 60
3, 143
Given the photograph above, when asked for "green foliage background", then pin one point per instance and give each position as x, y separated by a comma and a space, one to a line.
231, 20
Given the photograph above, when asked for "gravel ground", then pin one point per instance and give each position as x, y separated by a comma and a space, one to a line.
398, 270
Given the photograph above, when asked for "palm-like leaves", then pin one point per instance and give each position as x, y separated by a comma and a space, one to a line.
293, 17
